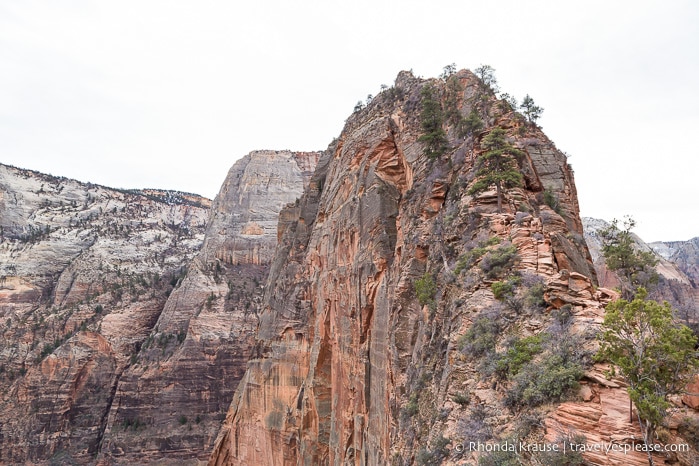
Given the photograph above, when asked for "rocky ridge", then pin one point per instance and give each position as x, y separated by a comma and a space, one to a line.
386, 282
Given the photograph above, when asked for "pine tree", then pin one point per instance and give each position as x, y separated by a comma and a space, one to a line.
634, 268
655, 355
530, 109
497, 165
432, 119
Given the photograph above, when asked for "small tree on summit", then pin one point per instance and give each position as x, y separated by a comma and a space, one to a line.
530, 109
486, 74
497, 165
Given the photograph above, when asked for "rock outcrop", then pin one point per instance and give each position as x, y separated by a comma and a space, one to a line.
387, 269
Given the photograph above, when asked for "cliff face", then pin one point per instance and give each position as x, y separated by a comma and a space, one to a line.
170, 402
383, 274
130, 315
85, 271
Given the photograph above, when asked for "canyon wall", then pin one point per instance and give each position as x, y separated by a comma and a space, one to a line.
129, 315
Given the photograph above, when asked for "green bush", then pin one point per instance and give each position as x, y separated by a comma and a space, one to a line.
425, 288
412, 407
551, 200
462, 399
521, 352
504, 289
495, 263
534, 296
547, 380
182, 419
469, 258
481, 337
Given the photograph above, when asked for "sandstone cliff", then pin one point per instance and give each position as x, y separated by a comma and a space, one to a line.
382, 337
685, 254
170, 402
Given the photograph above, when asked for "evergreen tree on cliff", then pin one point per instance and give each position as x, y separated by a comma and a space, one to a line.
497, 165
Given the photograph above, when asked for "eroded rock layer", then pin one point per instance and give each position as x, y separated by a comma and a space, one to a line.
170, 402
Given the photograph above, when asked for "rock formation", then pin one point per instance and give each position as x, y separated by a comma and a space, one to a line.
383, 288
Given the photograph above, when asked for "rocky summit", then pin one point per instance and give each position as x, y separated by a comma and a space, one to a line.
410, 316
420, 292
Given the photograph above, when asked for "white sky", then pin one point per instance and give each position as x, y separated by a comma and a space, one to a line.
169, 93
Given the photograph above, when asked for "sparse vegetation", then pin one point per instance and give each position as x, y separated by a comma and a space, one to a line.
530, 109
412, 407
551, 200
133, 424
468, 259
503, 289
481, 337
435, 455
474, 426
461, 399
547, 379
635, 268
486, 74
425, 288
498, 261
521, 351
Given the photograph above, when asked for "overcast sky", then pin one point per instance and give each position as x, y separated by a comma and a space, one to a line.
168, 93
